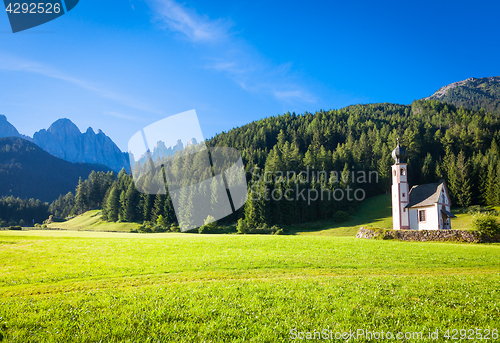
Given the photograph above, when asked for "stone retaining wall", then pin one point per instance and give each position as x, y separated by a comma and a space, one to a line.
427, 235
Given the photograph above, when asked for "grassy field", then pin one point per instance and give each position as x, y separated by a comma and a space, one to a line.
375, 211
62, 286
91, 221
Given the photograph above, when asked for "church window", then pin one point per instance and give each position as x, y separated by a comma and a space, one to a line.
394, 173
403, 171
421, 215
403, 195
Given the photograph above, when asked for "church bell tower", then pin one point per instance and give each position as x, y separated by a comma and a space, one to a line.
400, 190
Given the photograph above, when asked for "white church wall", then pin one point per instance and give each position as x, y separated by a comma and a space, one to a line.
431, 218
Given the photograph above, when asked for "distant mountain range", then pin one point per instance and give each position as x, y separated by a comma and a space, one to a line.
8, 130
472, 93
63, 139
27, 171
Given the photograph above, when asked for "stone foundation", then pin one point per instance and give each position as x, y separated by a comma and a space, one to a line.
427, 235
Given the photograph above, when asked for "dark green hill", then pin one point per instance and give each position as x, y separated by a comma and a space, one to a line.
26, 171
472, 93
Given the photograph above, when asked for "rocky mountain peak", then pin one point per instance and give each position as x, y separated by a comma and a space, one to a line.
64, 139
64, 127
473, 93
8, 130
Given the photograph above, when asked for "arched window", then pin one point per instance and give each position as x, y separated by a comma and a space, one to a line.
394, 173
403, 171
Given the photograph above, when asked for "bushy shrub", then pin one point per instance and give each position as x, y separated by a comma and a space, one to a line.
242, 226
161, 222
341, 216
146, 227
209, 227
262, 229
15, 228
174, 228
158, 228
486, 223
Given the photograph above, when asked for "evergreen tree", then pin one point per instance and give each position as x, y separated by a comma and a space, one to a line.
130, 212
80, 197
113, 204
158, 207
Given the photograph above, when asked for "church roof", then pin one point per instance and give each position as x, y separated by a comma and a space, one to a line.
399, 154
425, 195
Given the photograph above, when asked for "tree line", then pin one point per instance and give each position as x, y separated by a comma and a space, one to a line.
443, 142
24, 212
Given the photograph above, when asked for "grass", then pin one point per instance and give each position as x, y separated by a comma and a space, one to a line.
61, 286
463, 221
91, 221
375, 211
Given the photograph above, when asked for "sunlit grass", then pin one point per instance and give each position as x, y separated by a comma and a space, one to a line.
91, 221
63, 286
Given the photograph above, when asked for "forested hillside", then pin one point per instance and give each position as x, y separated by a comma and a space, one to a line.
458, 145
26, 171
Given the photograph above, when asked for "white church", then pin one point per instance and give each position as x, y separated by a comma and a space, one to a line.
424, 207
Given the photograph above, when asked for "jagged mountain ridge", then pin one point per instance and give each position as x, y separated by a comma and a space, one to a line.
63, 139
472, 93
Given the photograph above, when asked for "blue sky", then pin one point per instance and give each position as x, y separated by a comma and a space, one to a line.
120, 65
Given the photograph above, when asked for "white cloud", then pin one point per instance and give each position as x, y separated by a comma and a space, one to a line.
181, 19
230, 54
11, 63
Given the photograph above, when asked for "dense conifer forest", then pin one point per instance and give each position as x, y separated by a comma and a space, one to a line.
322, 151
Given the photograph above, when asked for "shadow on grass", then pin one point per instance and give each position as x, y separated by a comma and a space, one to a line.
375, 212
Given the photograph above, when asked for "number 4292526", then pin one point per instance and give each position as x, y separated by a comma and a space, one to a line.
34, 8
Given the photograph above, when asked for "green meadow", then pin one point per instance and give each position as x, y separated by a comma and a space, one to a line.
77, 286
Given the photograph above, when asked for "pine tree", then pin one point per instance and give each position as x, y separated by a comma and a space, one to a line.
113, 204
169, 211
158, 207
130, 213
463, 187
80, 197
428, 169
147, 207
384, 170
